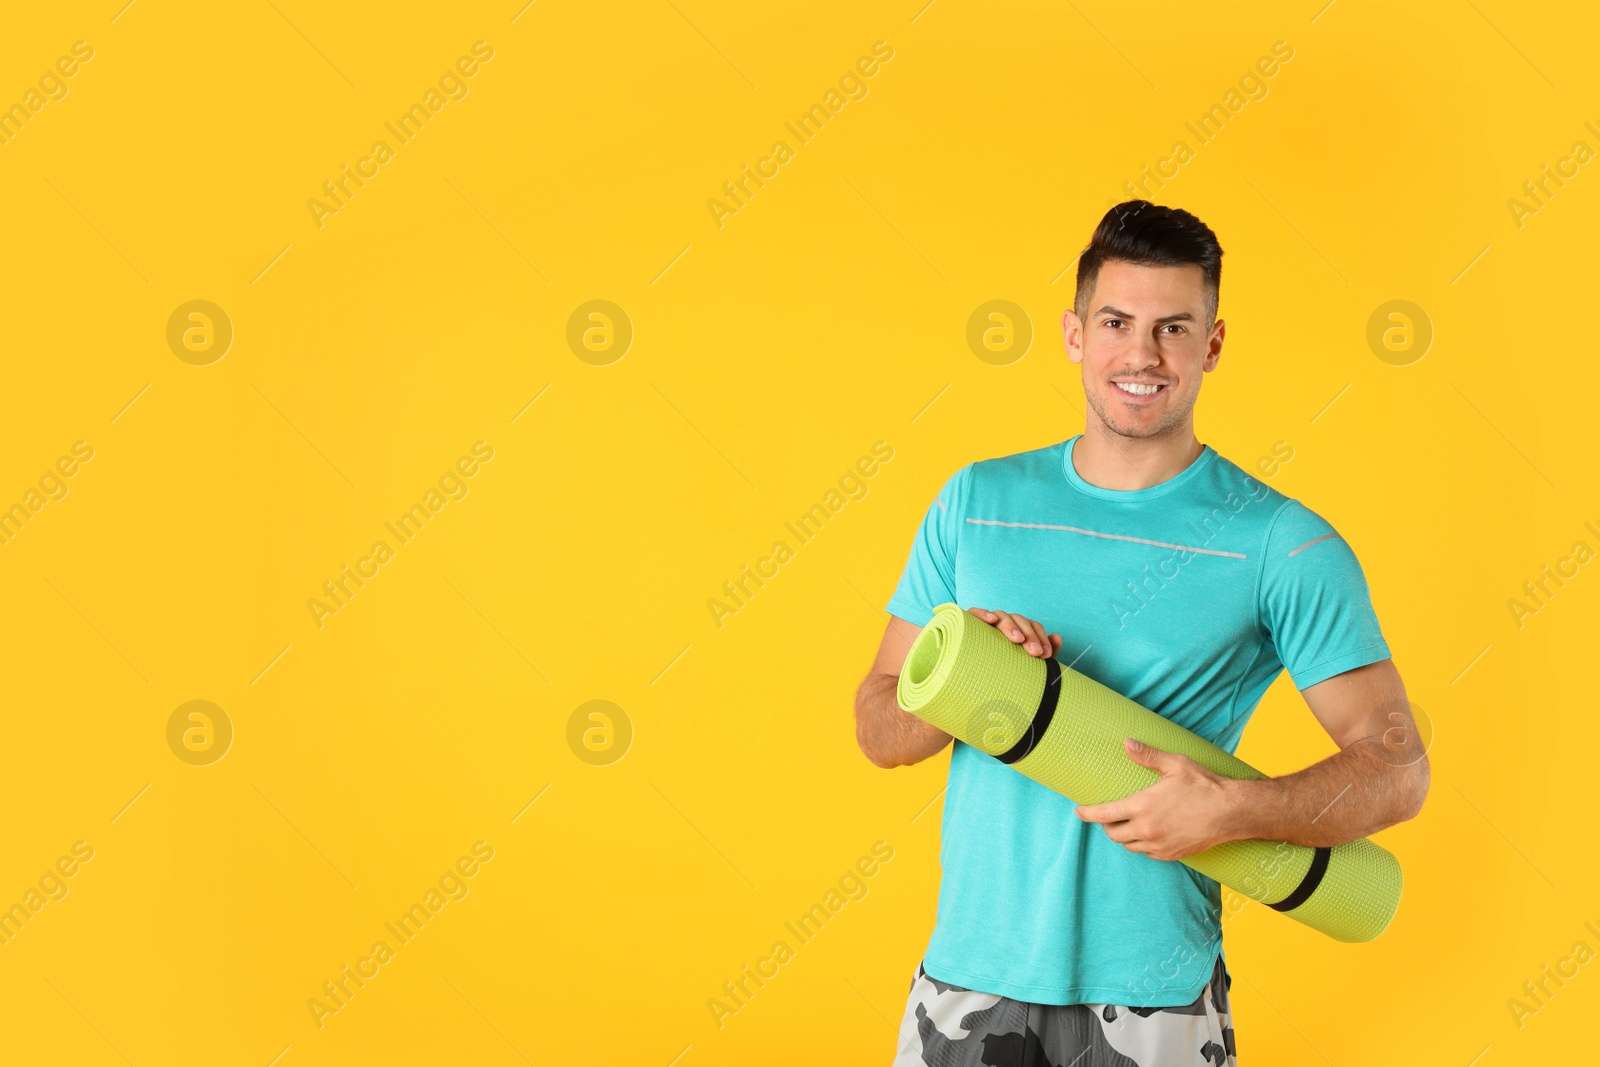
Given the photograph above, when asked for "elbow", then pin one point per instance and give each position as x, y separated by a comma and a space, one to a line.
1414, 791
875, 734
1421, 780
874, 756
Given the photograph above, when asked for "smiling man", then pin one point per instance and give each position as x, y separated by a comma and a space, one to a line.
1068, 935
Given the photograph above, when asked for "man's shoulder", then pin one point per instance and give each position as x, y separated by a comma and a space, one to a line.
1277, 515
1225, 476
1034, 464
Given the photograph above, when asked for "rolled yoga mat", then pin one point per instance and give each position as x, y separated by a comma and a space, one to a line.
1065, 730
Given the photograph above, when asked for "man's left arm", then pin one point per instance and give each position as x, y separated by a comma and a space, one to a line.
1314, 606
1378, 777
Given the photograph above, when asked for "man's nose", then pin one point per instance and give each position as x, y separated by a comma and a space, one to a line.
1148, 353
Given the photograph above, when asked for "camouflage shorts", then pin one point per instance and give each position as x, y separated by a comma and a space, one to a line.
948, 1026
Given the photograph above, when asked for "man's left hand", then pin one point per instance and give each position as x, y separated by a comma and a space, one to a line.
1189, 810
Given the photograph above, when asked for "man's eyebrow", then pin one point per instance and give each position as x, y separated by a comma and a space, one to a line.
1182, 316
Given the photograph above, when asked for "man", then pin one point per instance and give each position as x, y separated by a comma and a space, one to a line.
1068, 935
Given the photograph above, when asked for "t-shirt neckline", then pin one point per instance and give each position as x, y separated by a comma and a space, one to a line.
1189, 473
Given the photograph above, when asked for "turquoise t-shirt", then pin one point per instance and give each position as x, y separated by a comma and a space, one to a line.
1188, 597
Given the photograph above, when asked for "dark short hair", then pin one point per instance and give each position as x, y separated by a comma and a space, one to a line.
1139, 232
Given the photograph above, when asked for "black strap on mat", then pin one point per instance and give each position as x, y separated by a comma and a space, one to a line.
1041, 718
1051, 696
1308, 884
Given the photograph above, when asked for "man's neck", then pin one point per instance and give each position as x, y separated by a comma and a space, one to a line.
1111, 461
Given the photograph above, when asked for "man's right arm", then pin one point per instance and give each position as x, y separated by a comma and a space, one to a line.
891, 737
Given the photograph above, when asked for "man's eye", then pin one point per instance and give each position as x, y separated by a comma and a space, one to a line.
1175, 326
1112, 322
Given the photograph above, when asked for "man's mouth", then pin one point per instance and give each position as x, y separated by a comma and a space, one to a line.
1139, 390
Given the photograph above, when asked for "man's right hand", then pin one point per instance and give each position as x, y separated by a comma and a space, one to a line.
891, 737
1022, 630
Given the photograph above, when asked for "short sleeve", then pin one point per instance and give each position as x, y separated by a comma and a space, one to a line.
1313, 599
929, 578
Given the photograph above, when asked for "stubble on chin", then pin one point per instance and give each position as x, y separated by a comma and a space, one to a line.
1132, 431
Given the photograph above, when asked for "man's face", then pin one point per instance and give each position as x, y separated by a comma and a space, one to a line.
1146, 328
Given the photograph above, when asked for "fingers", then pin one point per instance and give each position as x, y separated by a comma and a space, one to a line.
1021, 630
1121, 823
1011, 626
1110, 812
1028, 634
1127, 835
1144, 755
1161, 761
1039, 642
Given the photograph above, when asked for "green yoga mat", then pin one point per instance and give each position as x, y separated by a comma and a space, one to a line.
1065, 730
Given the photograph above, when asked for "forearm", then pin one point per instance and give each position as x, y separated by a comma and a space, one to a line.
889, 736
1351, 794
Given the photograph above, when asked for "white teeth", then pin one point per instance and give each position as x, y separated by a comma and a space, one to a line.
1136, 389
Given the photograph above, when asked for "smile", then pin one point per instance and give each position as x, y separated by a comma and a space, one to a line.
1139, 389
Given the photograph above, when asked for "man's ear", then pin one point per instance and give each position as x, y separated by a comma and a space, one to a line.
1072, 335
1214, 353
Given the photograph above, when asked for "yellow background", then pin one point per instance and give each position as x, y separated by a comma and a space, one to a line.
769, 354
